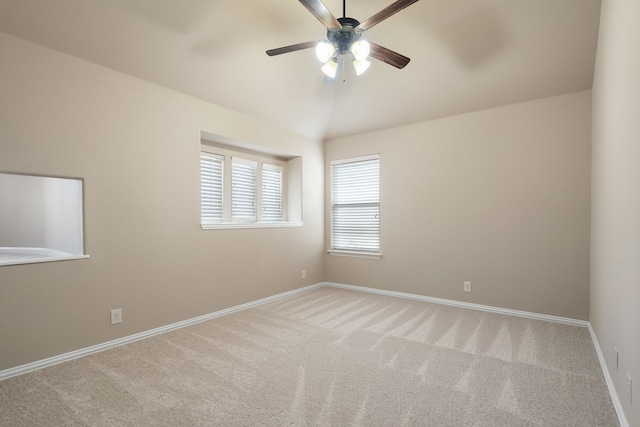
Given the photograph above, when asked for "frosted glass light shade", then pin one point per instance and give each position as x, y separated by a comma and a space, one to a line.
324, 51
360, 50
330, 69
361, 65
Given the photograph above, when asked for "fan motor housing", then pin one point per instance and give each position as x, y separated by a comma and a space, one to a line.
342, 38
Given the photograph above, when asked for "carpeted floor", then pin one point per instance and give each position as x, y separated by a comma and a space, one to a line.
329, 357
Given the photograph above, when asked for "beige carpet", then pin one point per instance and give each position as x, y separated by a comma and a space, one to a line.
329, 357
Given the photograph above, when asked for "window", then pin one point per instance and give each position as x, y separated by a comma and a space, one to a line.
355, 206
271, 193
211, 187
244, 188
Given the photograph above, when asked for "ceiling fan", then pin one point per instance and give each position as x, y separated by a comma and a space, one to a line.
343, 36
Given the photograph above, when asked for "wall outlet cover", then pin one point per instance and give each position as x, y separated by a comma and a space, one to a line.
116, 316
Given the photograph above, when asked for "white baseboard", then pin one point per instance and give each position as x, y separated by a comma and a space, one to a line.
461, 304
23, 369
617, 404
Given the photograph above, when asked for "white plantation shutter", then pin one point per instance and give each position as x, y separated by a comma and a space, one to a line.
271, 193
355, 204
211, 185
243, 190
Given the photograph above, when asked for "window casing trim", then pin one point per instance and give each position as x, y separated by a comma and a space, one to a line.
355, 159
355, 254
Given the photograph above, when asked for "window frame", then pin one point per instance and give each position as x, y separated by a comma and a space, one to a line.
374, 253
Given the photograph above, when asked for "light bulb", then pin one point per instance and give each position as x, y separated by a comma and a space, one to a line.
361, 65
330, 68
324, 51
360, 50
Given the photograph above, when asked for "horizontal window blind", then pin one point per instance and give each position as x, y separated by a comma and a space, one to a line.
243, 190
355, 204
211, 188
271, 193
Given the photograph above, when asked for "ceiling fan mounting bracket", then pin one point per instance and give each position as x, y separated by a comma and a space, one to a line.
342, 38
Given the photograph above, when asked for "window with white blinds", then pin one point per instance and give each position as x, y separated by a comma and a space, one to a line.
248, 190
271, 193
243, 190
211, 188
355, 205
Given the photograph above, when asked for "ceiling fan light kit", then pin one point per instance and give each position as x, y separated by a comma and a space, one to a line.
360, 50
343, 38
330, 69
361, 65
324, 51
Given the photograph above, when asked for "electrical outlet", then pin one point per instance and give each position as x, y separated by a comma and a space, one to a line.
116, 316
303, 274
615, 358
629, 395
467, 286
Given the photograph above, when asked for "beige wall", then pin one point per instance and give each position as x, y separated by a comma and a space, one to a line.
137, 147
498, 197
615, 228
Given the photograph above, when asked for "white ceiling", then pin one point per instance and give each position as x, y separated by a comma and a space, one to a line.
466, 55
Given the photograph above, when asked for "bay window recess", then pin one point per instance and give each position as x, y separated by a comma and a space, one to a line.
241, 188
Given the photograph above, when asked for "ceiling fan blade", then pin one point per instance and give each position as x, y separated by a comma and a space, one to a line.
291, 48
388, 56
320, 11
392, 9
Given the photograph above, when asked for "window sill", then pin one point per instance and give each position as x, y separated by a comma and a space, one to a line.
369, 255
20, 255
236, 225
